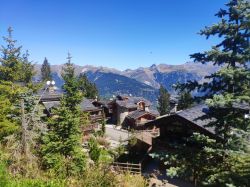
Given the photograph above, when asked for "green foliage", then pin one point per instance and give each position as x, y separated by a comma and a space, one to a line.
99, 177
205, 162
14, 67
8, 180
61, 147
10, 95
221, 163
185, 101
11, 59
163, 101
27, 69
73, 96
89, 89
7, 124
45, 70
94, 150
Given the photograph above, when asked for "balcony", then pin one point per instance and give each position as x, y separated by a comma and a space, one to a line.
96, 117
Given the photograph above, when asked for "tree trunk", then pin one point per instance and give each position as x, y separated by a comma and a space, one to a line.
24, 131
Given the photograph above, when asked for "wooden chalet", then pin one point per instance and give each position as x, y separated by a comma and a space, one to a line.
172, 128
106, 105
95, 113
139, 117
51, 100
131, 111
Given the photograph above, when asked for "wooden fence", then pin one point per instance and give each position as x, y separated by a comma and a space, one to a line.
133, 168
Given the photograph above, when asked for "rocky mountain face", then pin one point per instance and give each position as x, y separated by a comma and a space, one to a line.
144, 81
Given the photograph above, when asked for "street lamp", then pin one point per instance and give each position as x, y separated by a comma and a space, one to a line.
246, 116
50, 85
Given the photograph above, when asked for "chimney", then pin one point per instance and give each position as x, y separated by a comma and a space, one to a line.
175, 107
51, 89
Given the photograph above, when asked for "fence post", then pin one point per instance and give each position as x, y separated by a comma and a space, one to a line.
140, 168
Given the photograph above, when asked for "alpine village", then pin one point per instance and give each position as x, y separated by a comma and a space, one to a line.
59, 127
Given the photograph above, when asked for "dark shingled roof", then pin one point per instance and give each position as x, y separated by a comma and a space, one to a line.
51, 97
51, 104
198, 115
126, 104
131, 102
155, 112
86, 105
47, 96
138, 113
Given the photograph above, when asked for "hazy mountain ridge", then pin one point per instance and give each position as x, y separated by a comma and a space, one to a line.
143, 81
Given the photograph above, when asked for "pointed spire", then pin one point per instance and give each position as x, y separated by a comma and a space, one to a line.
69, 57
10, 30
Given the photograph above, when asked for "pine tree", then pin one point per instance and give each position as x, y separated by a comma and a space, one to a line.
224, 88
15, 67
73, 96
45, 70
89, 89
163, 101
11, 59
228, 85
94, 150
185, 100
27, 68
61, 149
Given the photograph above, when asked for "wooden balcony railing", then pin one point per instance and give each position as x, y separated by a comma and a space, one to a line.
95, 118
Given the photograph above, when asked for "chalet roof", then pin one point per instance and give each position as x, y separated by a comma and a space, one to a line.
138, 113
86, 105
126, 104
198, 115
155, 112
131, 102
105, 103
51, 104
51, 97
48, 96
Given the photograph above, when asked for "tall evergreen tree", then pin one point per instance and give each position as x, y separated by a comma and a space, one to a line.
61, 149
27, 69
222, 162
163, 101
45, 70
228, 85
88, 88
14, 67
11, 59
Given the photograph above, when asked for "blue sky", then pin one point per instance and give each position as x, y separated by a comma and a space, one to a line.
114, 33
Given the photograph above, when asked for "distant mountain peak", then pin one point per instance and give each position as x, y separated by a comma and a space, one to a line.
153, 66
143, 81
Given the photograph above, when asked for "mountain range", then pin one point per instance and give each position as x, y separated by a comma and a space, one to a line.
143, 81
